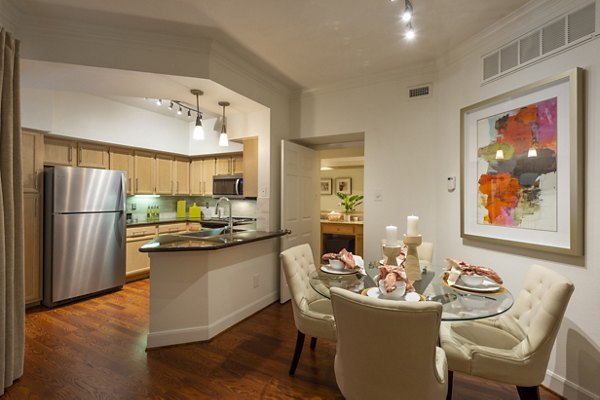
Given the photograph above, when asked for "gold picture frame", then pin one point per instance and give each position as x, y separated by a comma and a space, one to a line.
518, 187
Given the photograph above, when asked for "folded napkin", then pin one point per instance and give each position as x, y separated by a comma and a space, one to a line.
344, 256
390, 274
458, 268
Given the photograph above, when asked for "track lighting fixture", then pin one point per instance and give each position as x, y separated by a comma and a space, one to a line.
223, 139
159, 102
410, 31
180, 111
198, 129
171, 105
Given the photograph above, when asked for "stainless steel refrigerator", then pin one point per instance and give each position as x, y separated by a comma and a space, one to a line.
84, 232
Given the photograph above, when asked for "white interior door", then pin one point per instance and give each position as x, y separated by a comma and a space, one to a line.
300, 202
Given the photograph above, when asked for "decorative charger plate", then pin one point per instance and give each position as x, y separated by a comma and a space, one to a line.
374, 292
487, 286
329, 270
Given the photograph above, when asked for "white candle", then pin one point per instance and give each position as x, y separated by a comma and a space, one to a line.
391, 235
412, 223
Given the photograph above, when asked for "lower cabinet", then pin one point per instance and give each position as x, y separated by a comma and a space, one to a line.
137, 265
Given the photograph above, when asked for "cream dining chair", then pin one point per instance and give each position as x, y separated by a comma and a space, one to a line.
313, 315
387, 349
515, 347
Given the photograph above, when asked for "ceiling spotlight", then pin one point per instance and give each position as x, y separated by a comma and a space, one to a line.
408, 11
410, 33
189, 114
159, 102
223, 139
180, 111
171, 105
198, 130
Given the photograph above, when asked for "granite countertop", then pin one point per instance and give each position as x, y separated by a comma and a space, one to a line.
185, 242
186, 219
326, 221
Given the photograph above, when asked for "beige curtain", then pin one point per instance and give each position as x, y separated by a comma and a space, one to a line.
12, 300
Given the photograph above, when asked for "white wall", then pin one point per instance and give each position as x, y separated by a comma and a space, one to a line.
411, 147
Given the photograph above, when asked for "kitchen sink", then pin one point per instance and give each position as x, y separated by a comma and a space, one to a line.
204, 233
215, 234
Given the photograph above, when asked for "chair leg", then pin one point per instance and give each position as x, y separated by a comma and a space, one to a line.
450, 381
529, 392
313, 343
297, 352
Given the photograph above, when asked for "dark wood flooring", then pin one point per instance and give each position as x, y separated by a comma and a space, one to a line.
96, 349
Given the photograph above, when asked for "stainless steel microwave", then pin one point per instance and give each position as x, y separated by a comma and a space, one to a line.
231, 186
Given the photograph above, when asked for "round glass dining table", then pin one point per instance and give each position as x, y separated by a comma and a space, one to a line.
457, 304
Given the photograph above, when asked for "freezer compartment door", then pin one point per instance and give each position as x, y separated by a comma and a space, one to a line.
87, 190
88, 254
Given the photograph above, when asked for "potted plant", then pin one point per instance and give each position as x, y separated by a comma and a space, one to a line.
349, 202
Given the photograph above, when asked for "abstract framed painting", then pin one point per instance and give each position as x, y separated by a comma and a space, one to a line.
522, 166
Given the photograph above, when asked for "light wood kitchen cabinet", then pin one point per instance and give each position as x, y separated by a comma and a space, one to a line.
137, 264
92, 155
201, 176
121, 159
208, 171
144, 170
178, 227
33, 250
196, 177
193, 226
251, 167
32, 160
164, 174
182, 176
229, 165
60, 152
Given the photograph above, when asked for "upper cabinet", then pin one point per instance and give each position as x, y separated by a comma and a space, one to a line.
181, 174
121, 159
60, 152
196, 177
92, 155
32, 160
164, 174
144, 167
208, 171
251, 167
229, 165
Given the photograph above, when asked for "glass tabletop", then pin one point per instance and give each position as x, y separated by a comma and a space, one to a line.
457, 304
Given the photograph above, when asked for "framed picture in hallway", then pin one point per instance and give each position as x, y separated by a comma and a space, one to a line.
522, 166
343, 185
326, 186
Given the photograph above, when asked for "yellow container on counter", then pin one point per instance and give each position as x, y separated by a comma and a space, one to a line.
194, 212
181, 204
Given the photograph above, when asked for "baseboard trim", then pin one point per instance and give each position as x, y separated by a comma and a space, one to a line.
206, 332
566, 388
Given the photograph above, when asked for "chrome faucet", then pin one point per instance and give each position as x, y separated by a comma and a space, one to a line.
230, 223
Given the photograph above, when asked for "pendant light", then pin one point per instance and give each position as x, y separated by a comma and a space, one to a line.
223, 139
198, 130
408, 11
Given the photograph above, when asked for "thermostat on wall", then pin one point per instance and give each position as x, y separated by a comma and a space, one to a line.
451, 183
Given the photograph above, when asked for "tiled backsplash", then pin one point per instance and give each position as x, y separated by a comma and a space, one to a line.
168, 206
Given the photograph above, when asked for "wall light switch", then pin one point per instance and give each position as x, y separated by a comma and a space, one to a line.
451, 183
378, 196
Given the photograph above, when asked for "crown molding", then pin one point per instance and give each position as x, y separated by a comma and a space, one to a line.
414, 73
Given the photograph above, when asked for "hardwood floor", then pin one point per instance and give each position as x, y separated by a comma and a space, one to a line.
96, 349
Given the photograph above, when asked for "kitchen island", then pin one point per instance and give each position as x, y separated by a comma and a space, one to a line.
200, 286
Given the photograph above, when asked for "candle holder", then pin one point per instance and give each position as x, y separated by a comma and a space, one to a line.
391, 254
411, 264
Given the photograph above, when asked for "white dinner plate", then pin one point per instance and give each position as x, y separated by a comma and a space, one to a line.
329, 270
375, 292
488, 285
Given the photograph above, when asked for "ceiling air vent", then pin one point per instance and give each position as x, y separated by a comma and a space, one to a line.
581, 23
529, 47
544, 41
491, 65
553, 36
419, 91
509, 56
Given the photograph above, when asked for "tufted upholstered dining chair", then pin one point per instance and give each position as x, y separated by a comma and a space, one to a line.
388, 349
313, 315
515, 347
